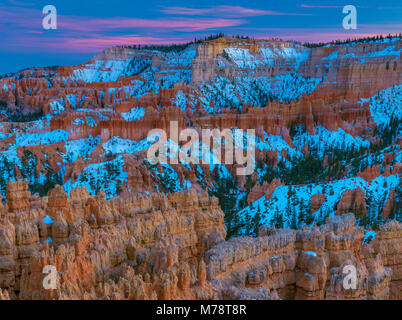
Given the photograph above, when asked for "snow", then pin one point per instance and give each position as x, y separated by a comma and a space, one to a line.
100, 116
246, 60
110, 70
385, 105
181, 59
377, 192
167, 79
289, 53
46, 138
223, 172
4, 136
47, 220
174, 67
387, 51
242, 58
277, 143
243, 87
324, 140
309, 275
134, 114
72, 99
90, 121
333, 55
78, 121
80, 148
202, 153
310, 253
105, 176
180, 100
118, 145
251, 87
369, 236
226, 93
57, 105
187, 184
40, 124
10, 155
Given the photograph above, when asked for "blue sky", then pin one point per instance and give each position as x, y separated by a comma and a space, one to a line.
87, 27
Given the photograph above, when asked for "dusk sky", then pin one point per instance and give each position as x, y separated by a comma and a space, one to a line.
84, 28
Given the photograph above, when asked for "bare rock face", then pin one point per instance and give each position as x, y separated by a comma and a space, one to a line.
263, 190
204, 66
387, 245
4, 295
7, 249
388, 204
353, 200
18, 196
310, 266
316, 201
92, 241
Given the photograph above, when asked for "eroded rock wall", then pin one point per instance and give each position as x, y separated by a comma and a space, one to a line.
174, 247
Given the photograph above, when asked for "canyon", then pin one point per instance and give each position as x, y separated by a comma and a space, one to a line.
79, 193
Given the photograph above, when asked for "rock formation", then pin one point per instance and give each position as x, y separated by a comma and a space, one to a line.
173, 247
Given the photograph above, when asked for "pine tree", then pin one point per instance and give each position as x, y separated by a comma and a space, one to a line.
278, 219
301, 216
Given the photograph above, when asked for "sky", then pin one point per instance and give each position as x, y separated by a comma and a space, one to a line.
85, 28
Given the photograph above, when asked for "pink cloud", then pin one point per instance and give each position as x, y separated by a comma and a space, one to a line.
22, 17
32, 19
321, 7
23, 29
223, 10
21, 3
35, 32
189, 24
